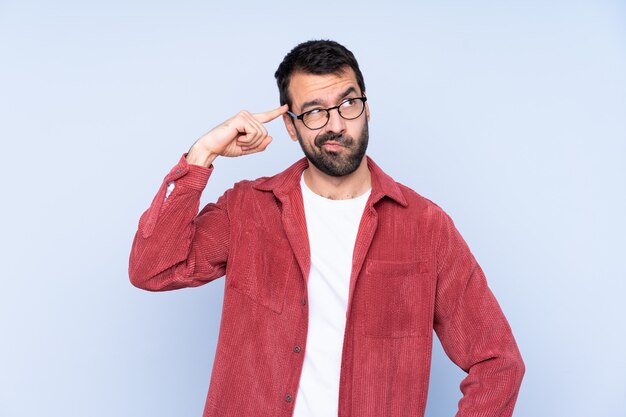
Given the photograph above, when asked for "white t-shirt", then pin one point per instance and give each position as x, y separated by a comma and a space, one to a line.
332, 227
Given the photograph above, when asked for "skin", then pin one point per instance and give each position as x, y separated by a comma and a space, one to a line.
327, 91
242, 134
245, 133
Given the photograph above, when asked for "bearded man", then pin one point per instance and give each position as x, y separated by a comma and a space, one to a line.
336, 275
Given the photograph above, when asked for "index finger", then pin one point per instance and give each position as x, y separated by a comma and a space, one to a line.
268, 116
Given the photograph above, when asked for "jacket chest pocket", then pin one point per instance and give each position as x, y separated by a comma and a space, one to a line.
260, 266
397, 299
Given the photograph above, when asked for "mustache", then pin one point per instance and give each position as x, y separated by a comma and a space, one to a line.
334, 137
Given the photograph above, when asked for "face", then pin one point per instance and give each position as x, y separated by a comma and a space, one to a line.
338, 148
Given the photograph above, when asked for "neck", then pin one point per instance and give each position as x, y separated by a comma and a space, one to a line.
339, 188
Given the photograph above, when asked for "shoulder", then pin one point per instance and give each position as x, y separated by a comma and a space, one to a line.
418, 204
405, 197
281, 183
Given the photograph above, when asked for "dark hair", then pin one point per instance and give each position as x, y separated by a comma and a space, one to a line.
315, 57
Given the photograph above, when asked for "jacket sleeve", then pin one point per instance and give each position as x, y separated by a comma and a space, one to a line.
175, 246
473, 330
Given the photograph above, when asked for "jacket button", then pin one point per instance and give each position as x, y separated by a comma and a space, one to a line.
178, 171
297, 349
289, 398
303, 301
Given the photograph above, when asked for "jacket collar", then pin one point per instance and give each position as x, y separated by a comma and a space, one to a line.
285, 182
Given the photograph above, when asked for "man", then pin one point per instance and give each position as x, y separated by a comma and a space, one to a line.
336, 275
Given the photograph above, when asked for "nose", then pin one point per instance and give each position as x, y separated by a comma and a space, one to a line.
336, 123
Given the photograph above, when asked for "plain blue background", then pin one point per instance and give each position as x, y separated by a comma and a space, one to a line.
510, 115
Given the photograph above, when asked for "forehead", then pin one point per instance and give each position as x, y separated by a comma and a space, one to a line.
322, 88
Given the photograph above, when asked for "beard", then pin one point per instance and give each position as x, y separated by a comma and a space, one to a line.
333, 163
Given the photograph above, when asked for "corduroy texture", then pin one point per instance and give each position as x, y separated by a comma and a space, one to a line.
412, 273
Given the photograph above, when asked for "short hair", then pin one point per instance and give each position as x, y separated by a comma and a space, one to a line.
315, 57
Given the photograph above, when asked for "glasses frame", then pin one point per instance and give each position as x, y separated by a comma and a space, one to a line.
301, 116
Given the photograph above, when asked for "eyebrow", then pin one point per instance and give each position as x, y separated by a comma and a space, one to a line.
318, 102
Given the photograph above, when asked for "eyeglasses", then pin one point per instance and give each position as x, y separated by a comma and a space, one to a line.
315, 119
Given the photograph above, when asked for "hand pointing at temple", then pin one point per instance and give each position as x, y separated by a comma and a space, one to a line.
242, 134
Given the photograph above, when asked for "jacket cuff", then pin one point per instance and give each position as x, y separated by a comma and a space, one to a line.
188, 175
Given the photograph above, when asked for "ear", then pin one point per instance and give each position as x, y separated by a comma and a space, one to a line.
367, 108
291, 129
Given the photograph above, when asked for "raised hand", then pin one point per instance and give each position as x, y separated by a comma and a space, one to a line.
242, 134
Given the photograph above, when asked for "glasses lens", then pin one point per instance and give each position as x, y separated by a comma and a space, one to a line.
351, 108
315, 119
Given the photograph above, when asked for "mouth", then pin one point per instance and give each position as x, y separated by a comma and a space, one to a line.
332, 146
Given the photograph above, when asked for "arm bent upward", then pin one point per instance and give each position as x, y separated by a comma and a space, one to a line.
174, 246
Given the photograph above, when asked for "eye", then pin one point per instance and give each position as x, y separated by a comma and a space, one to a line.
315, 114
348, 102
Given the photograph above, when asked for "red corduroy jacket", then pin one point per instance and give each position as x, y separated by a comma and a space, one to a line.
412, 272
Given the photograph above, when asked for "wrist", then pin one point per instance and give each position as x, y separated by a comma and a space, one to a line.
200, 157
